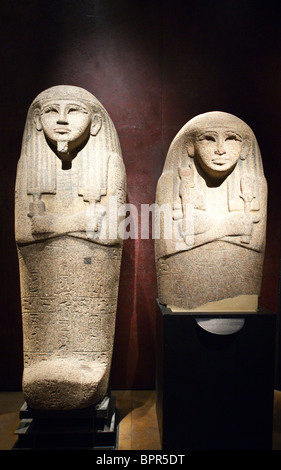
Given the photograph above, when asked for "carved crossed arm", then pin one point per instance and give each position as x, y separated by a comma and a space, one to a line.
61, 225
205, 228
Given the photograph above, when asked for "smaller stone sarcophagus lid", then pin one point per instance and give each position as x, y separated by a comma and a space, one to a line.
212, 203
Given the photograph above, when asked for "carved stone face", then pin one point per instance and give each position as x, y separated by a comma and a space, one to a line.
64, 121
217, 151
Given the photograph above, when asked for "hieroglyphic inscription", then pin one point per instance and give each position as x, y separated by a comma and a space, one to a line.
60, 320
208, 273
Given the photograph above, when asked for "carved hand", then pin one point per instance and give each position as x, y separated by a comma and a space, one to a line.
196, 223
42, 224
240, 224
94, 219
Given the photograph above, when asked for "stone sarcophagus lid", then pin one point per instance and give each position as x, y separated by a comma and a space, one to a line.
211, 212
70, 183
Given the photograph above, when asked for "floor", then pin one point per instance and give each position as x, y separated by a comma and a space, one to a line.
138, 428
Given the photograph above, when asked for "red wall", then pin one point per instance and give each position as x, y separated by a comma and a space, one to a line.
154, 65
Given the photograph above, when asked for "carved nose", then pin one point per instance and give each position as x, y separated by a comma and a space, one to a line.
220, 151
62, 119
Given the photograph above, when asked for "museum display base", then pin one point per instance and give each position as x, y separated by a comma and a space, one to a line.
92, 428
215, 391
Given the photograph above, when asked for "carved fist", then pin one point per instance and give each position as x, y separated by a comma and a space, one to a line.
94, 219
41, 224
241, 224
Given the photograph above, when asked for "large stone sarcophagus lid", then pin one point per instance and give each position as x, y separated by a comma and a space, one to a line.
70, 174
212, 202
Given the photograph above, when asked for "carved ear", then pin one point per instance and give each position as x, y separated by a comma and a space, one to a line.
245, 149
96, 124
37, 119
190, 148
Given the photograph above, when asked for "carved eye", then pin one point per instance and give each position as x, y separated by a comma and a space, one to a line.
77, 109
209, 137
51, 109
74, 109
234, 137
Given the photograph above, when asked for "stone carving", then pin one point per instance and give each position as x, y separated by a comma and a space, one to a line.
210, 252
69, 171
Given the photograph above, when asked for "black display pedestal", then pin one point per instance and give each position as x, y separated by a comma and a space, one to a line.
92, 428
215, 392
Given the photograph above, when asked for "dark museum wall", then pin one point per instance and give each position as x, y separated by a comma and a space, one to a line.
154, 65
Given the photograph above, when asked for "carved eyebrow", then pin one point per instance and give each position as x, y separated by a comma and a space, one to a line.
206, 134
233, 133
49, 107
78, 106
55, 106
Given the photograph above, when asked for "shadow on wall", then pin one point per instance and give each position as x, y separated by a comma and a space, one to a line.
133, 364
